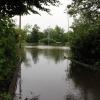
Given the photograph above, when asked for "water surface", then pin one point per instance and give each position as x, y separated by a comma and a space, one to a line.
45, 73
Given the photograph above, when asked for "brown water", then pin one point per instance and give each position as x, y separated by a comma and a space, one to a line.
46, 74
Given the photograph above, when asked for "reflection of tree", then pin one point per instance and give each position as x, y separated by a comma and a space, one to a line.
87, 80
70, 97
17, 84
34, 52
56, 54
23, 54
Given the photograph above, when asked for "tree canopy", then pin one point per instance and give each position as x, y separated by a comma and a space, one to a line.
88, 8
51, 36
84, 40
19, 7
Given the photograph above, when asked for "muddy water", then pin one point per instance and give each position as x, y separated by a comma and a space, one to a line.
46, 74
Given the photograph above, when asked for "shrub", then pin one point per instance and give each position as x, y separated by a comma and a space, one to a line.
47, 41
86, 48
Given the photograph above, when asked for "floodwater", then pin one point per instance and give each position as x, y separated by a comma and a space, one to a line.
45, 74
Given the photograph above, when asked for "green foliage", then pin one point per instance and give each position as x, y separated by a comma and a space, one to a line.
5, 96
87, 8
27, 28
19, 7
41, 35
21, 35
47, 41
34, 36
86, 48
8, 51
58, 31
7, 38
56, 34
85, 38
84, 42
48, 35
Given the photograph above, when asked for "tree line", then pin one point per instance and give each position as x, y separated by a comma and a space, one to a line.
49, 36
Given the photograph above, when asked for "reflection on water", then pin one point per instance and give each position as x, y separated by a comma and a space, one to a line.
86, 84
45, 73
56, 55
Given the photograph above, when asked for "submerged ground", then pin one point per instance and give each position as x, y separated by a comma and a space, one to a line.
46, 74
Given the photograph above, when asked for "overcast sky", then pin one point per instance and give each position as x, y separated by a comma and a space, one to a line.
44, 21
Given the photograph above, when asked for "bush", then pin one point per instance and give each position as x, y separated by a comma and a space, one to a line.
47, 41
85, 41
86, 48
8, 52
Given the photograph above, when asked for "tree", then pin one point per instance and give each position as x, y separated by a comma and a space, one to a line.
49, 33
34, 36
27, 28
55, 34
8, 51
90, 9
21, 35
20, 7
58, 33
84, 40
